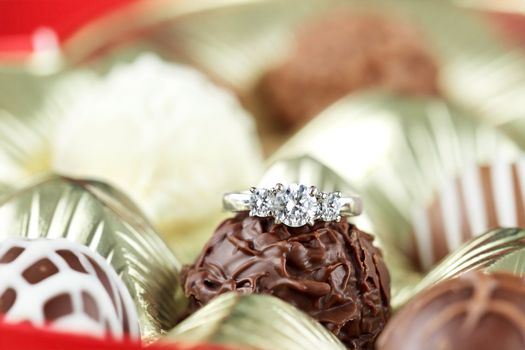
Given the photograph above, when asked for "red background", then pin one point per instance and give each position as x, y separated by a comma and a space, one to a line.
20, 18
24, 336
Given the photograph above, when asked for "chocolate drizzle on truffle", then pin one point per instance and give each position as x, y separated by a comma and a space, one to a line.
331, 271
473, 312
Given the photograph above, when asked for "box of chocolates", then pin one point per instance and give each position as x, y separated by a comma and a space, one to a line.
271, 175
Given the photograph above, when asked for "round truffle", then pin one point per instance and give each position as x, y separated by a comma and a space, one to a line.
343, 52
65, 286
481, 198
475, 311
331, 270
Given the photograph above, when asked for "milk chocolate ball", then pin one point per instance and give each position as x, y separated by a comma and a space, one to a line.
331, 270
475, 311
340, 53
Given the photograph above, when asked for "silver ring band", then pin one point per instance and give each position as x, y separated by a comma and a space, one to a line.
294, 205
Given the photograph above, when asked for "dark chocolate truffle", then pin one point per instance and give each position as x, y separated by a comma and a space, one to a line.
332, 271
475, 311
481, 198
343, 52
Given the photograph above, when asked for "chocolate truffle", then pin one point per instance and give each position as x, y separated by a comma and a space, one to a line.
475, 311
481, 198
331, 270
343, 52
65, 286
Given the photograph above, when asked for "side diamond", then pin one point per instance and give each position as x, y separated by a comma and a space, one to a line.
329, 206
261, 202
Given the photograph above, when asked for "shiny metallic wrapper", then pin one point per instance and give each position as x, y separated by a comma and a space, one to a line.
4, 189
254, 321
395, 152
105, 220
500, 249
496, 250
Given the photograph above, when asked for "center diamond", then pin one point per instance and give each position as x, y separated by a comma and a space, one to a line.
294, 205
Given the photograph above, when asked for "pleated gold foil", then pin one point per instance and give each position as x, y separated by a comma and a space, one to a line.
100, 217
254, 321
4, 189
496, 250
30, 107
395, 151
305, 170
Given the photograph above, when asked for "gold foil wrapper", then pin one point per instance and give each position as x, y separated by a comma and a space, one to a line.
254, 321
105, 220
395, 151
4, 189
305, 170
496, 250
29, 112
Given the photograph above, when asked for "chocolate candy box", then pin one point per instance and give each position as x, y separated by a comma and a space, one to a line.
411, 159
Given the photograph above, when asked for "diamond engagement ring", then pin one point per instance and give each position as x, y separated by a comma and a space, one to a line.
294, 204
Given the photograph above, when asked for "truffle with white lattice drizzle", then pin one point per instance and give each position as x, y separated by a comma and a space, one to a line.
65, 286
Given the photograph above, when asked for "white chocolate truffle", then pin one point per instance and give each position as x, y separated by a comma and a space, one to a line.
164, 134
65, 286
